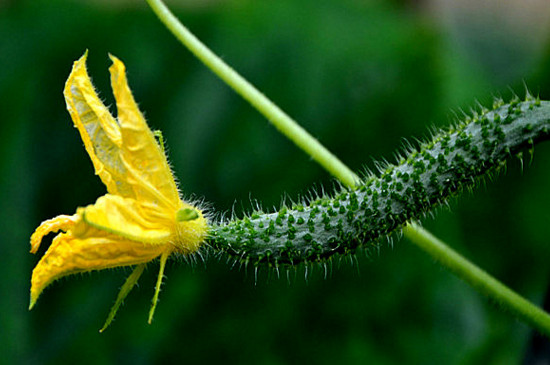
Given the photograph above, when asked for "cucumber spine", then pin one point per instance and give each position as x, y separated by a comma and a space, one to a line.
425, 178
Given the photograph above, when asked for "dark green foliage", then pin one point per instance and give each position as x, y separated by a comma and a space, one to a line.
425, 178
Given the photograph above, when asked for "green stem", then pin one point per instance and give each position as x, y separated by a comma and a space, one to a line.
479, 279
272, 112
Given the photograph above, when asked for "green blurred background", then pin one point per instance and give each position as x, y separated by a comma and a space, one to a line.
360, 76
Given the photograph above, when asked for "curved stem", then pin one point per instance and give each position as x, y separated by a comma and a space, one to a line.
272, 112
479, 279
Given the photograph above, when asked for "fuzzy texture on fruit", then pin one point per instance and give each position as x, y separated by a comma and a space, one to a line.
420, 181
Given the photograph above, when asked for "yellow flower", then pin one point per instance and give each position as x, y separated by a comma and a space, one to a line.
141, 217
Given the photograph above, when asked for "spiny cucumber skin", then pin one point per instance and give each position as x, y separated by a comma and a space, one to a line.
427, 177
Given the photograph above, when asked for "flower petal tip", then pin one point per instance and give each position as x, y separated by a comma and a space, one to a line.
32, 302
82, 59
114, 58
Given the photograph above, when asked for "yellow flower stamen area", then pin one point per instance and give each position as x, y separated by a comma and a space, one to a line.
141, 218
186, 214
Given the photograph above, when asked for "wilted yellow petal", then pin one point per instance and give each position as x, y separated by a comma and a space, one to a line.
142, 155
99, 130
129, 219
124, 152
59, 223
95, 250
